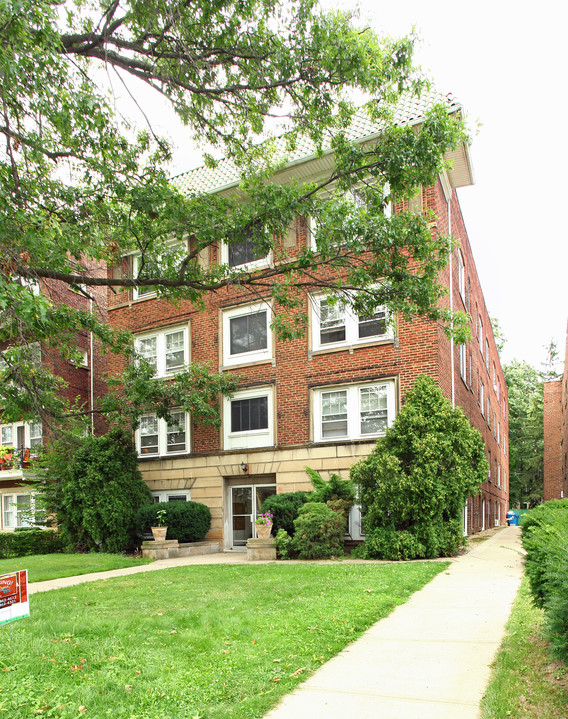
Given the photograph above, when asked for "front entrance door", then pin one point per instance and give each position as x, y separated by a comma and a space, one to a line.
246, 502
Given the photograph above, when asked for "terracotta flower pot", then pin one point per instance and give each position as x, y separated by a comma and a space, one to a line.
159, 533
263, 531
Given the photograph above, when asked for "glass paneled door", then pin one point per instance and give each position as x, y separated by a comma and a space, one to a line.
245, 505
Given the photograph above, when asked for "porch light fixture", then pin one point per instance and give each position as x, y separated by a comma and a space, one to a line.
244, 467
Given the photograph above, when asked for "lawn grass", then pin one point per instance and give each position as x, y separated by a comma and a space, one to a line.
51, 566
525, 681
198, 641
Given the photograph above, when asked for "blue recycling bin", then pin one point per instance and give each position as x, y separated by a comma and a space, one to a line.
512, 518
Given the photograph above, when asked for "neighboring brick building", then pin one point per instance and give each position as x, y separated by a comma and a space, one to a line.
321, 400
84, 383
556, 435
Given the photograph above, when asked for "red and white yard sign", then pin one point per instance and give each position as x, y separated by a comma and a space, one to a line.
14, 603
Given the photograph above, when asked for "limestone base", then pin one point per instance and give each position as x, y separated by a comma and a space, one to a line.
261, 549
170, 549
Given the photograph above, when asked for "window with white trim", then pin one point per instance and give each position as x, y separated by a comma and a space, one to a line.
247, 336
487, 354
335, 324
139, 293
489, 465
461, 276
248, 419
480, 334
463, 362
482, 396
244, 254
166, 350
155, 437
20, 435
353, 411
173, 495
17, 511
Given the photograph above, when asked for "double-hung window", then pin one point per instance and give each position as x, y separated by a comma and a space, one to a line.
17, 511
461, 276
244, 254
248, 419
463, 362
335, 324
353, 411
156, 437
167, 350
246, 334
21, 435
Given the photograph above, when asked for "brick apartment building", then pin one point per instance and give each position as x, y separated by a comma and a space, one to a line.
83, 382
320, 401
556, 435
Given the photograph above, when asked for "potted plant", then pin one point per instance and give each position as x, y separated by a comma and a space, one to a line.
263, 525
160, 530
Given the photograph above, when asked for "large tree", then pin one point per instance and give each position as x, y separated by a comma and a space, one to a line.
80, 185
526, 433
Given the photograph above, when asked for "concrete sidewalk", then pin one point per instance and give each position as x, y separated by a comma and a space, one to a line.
430, 659
221, 558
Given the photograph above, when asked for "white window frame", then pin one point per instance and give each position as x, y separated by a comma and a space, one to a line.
351, 324
480, 334
482, 396
463, 362
169, 495
161, 336
249, 439
162, 427
353, 407
10, 508
33, 434
140, 293
246, 266
461, 276
261, 355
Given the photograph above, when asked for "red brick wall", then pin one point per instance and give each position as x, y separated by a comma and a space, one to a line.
481, 366
420, 347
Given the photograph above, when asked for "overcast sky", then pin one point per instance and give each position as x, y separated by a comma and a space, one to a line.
506, 62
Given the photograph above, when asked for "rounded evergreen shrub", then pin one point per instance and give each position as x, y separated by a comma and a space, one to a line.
101, 490
285, 508
318, 532
418, 478
186, 521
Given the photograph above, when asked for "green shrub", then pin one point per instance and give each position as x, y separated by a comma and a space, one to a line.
101, 490
337, 493
284, 508
32, 541
545, 539
283, 544
419, 476
186, 521
388, 543
318, 532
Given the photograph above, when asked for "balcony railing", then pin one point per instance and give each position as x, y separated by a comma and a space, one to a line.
15, 458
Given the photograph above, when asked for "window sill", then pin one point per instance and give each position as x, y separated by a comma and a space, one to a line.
350, 347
